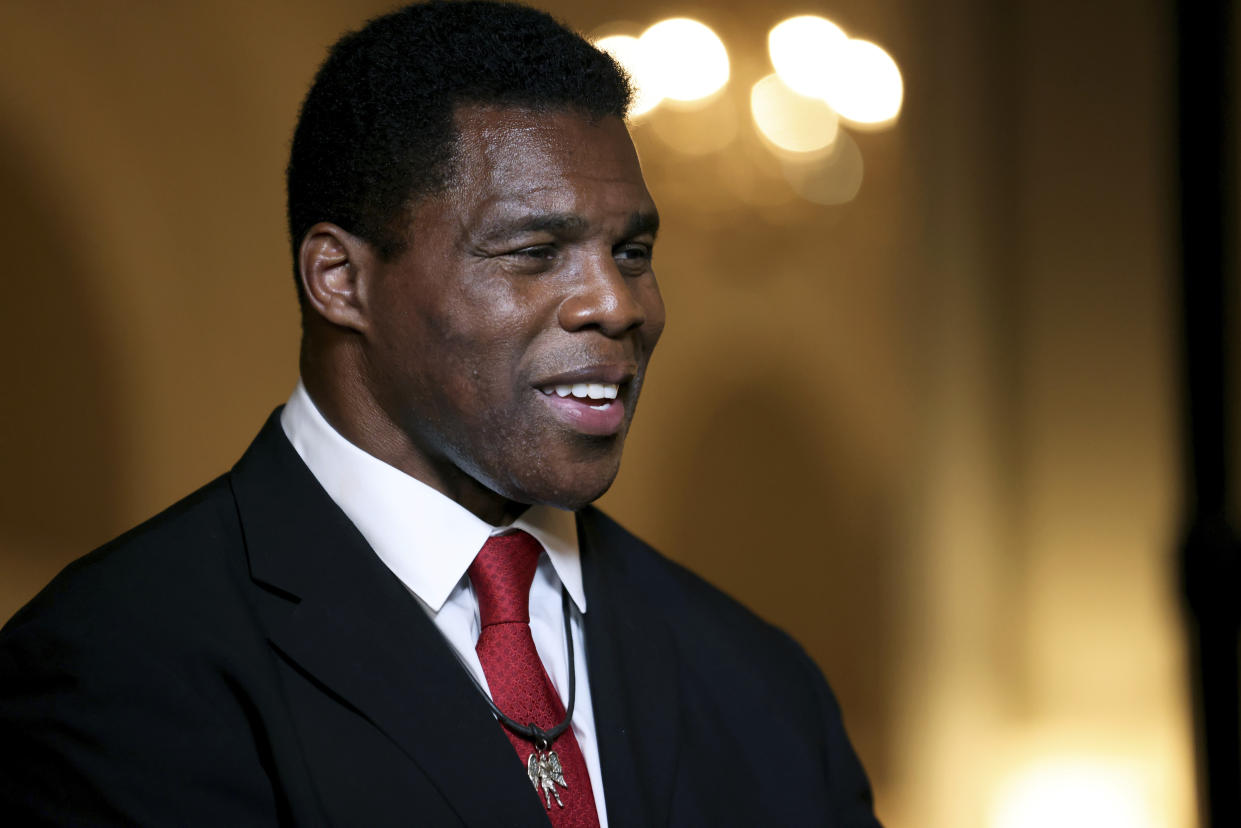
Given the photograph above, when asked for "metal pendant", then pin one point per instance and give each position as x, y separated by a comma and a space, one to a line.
543, 768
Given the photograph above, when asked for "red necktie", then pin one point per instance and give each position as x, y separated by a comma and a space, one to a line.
501, 574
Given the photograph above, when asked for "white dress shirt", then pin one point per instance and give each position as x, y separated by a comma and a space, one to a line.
429, 541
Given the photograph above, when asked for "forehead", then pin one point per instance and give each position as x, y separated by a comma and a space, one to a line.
557, 160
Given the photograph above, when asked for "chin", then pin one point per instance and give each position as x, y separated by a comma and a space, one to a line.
574, 490
575, 501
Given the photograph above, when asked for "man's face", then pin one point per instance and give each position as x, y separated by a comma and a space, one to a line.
508, 343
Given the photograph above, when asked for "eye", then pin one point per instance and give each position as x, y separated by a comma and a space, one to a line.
633, 257
544, 252
533, 259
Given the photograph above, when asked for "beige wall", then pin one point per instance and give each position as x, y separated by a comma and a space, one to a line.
931, 432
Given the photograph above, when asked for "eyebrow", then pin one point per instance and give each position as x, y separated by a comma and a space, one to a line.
566, 224
642, 222
557, 223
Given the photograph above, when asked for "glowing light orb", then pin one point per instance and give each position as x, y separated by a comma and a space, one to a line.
631, 55
803, 51
791, 121
1073, 794
864, 85
688, 59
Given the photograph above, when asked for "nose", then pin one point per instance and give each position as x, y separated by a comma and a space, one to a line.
605, 299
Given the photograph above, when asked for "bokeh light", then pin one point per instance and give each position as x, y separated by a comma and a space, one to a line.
803, 50
792, 122
630, 53
830, 178
688, 59
823, 81
857, 78
864, 85
1072, 793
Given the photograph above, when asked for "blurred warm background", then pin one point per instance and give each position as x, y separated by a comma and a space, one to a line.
918, 406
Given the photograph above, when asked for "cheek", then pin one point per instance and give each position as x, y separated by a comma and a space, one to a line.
482, 368
653, 305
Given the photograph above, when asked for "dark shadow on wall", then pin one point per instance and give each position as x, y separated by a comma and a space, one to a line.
58, 423
775, 506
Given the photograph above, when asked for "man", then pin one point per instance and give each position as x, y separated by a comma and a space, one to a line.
399, 607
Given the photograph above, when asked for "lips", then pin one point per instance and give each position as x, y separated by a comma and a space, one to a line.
588, 400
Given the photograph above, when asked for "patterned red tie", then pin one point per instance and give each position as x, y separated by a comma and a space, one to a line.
501, 574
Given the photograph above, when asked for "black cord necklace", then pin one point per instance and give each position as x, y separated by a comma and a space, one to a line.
542, 739
542, 765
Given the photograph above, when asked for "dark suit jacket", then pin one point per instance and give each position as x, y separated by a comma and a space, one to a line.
244, 658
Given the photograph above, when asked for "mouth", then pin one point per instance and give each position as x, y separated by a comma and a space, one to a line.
590, 401
598, 395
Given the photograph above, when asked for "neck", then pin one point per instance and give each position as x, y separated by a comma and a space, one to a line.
341, 396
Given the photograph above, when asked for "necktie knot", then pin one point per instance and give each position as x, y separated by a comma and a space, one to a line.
501, 574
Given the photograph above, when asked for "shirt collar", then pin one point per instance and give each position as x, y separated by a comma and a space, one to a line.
427, 539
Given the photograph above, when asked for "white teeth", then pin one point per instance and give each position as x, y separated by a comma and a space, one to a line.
585, 391
603, 407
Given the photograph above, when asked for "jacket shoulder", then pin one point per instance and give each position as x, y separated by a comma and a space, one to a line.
718, 639
125, 684
729, 664
190, 546
700, 608
154, 584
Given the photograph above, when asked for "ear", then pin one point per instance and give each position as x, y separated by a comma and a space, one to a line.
336, 268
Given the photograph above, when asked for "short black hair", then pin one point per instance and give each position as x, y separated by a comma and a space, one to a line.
376, 129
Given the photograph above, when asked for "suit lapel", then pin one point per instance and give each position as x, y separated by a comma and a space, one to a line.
633, 679
334, 609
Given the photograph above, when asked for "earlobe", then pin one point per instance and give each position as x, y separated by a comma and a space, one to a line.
335, 267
